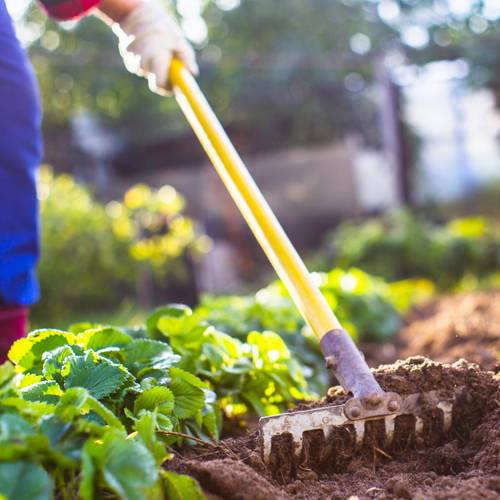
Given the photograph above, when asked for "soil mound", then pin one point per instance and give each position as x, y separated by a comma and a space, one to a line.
449, 328
464, 464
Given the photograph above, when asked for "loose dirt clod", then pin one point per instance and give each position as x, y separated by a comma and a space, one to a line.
464, 465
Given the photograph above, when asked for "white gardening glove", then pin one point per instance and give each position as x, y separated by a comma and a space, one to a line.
148, 39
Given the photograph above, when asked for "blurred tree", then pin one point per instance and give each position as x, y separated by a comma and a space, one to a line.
292, 70
307, 62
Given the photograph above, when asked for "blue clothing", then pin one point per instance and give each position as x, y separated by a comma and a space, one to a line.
20, 155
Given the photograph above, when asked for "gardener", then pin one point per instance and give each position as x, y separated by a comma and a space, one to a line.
148, 39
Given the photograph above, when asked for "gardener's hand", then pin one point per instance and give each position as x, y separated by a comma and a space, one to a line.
148, 39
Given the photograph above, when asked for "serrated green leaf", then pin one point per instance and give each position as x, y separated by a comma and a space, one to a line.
46, 391
159, 398
128, 387
47, 340
186, 334
22, 480
181, 487
102, 338
188, 377
54, 362
188, 398
145, 353
28, 379
174, 310
108, 416
75, 397
126, 466
99, 376
20, 353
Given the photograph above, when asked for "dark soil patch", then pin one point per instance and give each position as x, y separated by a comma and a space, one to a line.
464, 464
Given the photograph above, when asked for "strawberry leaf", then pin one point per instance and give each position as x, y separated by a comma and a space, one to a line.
100, 377
188, 398
103, 337
159, 398
45, 392
126, 467
181, 487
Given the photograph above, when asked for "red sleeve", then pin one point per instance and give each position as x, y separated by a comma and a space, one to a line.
63, 10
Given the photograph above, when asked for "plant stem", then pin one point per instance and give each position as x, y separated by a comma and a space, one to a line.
188, 437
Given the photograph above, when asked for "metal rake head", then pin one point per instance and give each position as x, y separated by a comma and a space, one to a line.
329, 418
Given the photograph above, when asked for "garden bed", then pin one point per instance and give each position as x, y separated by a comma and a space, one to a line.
464, 464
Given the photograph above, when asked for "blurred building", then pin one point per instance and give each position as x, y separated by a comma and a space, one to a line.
458, 128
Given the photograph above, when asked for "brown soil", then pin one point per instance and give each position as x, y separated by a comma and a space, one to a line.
464, 464
446, 329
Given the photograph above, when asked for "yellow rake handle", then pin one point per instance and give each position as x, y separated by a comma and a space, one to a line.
251, 203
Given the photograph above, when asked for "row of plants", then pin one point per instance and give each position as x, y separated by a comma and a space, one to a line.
369, 308
401, 245
87, 412
107, 248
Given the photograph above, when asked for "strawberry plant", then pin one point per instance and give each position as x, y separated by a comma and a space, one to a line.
124, 378
368, 307
54, 447
255, 373
87, 412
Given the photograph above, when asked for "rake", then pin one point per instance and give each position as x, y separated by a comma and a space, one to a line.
369, 401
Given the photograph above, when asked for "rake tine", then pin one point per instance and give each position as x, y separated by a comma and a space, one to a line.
359, 427
329, 418
446, 407
389, 429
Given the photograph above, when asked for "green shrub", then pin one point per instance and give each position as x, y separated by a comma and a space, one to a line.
93, 254
400, 245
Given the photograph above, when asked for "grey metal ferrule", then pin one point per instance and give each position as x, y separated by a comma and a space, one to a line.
350, 367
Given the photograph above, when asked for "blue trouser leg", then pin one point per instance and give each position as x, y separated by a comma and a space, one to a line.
20, 155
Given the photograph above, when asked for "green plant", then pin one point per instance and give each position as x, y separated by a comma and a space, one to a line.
368, 307
72, 446
258, 373
127, 377
400, 245
93, 254
90, 409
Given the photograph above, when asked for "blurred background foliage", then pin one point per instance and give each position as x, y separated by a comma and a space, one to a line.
401, 245
95, 256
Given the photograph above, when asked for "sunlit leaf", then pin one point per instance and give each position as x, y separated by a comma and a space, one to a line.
99, 378
159, 398
188, 398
